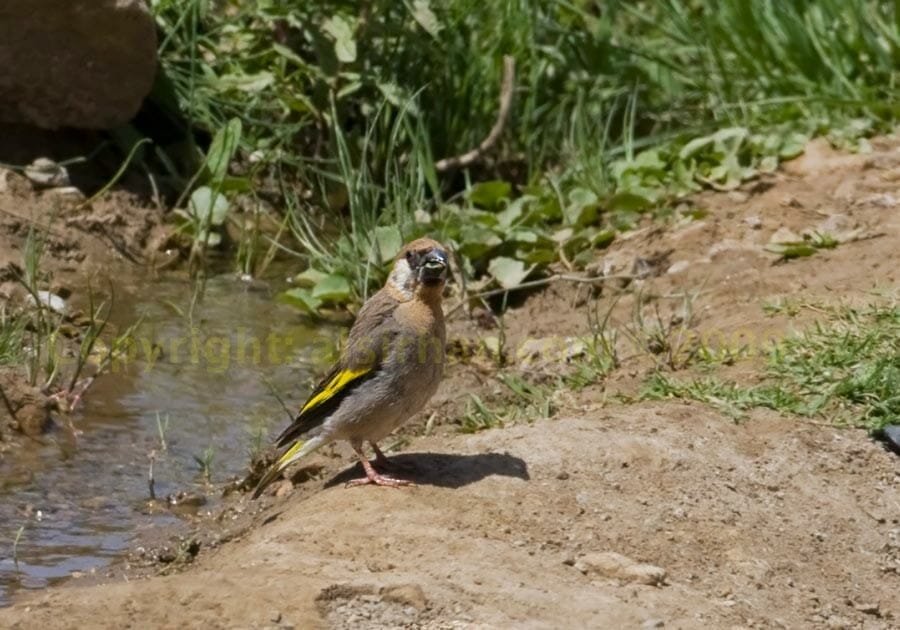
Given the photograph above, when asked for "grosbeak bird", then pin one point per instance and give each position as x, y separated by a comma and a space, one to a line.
391, 365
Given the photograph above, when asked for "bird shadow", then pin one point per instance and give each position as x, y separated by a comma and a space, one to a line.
443, 470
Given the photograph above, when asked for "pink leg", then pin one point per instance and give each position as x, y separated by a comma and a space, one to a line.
381, 459
372, 476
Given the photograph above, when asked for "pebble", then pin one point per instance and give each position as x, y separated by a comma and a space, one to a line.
678, 266
785, 235
754, 222
615, 565
46, 173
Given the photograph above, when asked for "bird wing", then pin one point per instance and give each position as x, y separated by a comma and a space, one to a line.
361, 360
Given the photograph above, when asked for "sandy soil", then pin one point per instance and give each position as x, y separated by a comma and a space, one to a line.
607, 515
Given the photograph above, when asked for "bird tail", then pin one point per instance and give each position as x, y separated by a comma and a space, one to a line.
298, 450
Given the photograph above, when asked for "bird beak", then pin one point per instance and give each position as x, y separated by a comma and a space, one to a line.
434, 267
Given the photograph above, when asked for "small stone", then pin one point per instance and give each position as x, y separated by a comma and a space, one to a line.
754, 222
562, 476
678, 266
52, 301
66, 192
614, 565
785, 235
284, 488
653, 623
45, 173
406, 594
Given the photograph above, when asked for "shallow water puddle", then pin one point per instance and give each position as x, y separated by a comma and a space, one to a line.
202, 376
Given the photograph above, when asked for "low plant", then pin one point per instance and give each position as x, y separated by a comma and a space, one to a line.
845, 370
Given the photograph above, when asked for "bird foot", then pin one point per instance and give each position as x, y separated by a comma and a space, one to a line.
379, 480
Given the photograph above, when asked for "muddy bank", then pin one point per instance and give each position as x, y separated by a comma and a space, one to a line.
765, 524
78, 250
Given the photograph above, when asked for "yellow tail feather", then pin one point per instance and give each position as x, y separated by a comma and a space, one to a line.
276, 469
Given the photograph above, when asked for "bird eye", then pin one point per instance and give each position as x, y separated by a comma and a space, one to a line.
409, 256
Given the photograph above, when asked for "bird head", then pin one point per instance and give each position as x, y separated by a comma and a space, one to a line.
421, 265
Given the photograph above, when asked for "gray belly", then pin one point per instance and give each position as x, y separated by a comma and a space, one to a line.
383, 403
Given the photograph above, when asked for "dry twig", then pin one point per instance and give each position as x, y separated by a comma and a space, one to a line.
507, 87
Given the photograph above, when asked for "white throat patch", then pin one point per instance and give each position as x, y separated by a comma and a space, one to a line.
403, 279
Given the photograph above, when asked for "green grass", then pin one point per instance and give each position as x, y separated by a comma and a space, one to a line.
12, 334
620, 108
522, 399
845, 370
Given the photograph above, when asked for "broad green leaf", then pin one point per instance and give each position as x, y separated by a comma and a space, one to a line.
252, 83
792, 146
210, 239
208, 208
426, 18
475, 242
389, 241
332, 288
603, 238
539, 255
221, 151
648, 160
341, 32
584, 257
489, 194
792, 250
547, 211
349, 88
628, 201
513, 211
310, 278
302, 299
522, 236
509, 272
397, 96
582, 207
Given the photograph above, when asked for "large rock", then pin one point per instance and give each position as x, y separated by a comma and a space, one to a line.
75, 63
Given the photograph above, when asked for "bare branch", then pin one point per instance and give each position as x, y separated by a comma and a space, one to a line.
507, 87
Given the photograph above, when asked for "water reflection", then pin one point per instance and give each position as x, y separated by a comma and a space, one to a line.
203, 375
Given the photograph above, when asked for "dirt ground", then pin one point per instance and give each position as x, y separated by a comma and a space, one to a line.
608, 515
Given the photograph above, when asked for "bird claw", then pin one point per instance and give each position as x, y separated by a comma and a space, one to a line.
380, 480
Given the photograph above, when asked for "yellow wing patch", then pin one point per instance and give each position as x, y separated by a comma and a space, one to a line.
334, 387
